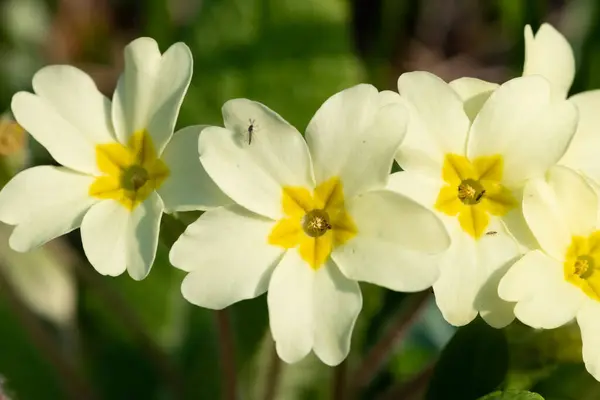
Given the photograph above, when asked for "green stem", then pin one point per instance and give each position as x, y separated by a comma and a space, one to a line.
382, 350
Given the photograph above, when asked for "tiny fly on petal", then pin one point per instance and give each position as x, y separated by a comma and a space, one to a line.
251, 129
491, 233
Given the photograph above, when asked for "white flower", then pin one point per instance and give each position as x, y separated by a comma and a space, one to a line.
562, 280
122, 165
469, 149
547, 53
311, 217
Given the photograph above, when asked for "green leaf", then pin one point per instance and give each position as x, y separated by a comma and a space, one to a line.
474, 363
512, 395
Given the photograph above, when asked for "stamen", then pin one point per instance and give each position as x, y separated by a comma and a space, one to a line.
470, 192
583, 267
134, 178
316, 223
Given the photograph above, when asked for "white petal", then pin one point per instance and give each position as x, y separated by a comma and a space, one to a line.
253, 174
560, 207
544, 299
291, 310
188, 186
41, 278
151, 90
337, 303
44, 202
104, 236
582, 153
43, 121
227, 255
142, 236
396, 243
438, 124
422, 188
469, 274
474, 93
588, 319
520, 123
549, 54
354, 136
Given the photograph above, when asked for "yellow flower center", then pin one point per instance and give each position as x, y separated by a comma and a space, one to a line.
474, 191
130, 173
582, 264
315, 222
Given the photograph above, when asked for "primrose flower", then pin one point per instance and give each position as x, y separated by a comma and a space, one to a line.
310, 218
469, 150
560, 281
121, 164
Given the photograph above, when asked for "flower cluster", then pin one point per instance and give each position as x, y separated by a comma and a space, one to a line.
496, 206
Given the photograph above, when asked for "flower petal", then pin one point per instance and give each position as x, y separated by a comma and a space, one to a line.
291, 310
337, 301
558, 208
469, 274
520, 123
253, 175
354, 136
151, 90
588, 319
438, 124
227, 256
188, 186
44, 202
396, 243
582, 153
52, 130
104, 236
544, 299
142, 236
549, 54
474, 93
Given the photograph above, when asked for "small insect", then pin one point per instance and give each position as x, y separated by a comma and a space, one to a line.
491, 233
480, 195
251, 129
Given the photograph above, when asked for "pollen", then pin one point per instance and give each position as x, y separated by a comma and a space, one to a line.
470, 192
581, 264
316, 223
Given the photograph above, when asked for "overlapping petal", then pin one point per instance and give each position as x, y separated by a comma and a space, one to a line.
589, 324
234, 261
547, 53
385, 251
559, 207
67, 108
151, 90
545, 299
44, 202
253, 175
517, 117
582, 153
354, 136
188, 186
438, 123
474, 93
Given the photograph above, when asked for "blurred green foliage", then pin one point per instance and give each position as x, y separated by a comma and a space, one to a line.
141, 340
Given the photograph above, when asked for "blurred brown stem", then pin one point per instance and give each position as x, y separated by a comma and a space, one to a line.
382, 350
227, 355
128, 317
339, 381
273, 374
412, 389
73, 382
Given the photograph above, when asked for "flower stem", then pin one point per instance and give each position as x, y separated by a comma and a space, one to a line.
339, 381
73, 382
412, 389
273, 375
381, 351
226, 349
113, 299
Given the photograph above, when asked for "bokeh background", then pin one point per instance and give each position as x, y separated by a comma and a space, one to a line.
67, 332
